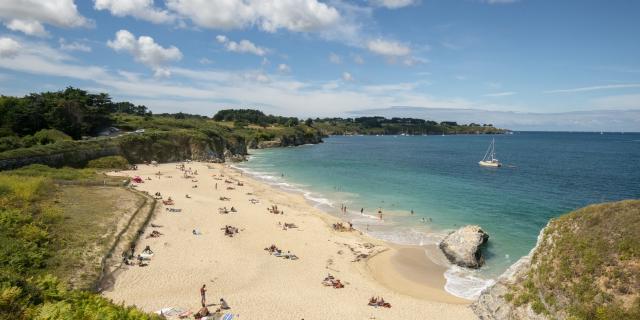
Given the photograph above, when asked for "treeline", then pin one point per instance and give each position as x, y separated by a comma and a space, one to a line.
412, 126
48, 117
256, 117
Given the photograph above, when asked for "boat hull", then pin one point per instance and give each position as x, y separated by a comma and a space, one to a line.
489, 164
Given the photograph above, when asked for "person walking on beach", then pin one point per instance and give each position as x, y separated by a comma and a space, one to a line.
361, 210
203, 293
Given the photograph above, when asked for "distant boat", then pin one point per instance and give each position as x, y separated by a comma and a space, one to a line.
489, 159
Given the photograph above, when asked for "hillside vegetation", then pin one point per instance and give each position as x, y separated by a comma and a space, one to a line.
586, 266
394, 126
42, 240
71, 127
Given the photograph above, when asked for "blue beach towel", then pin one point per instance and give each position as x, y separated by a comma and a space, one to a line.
227, 316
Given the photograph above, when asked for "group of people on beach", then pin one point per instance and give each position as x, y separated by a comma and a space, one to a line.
204, 312
274, 209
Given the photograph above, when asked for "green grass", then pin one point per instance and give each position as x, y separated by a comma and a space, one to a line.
33, 230
588, 265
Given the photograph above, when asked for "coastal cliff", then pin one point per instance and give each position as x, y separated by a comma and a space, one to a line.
297, 138
136, 148
161, 146
586, 265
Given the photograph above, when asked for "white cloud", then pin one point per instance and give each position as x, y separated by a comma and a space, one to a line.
393, 4
30, 27
283, 68
624, 101
594, 88
346, 76
141, 9
500, 94
388, 48
73, 46
146, 51
395, 52
9, 48
244, 46
357, 59
205, 61
28, 16
205, 90
292, 15
334, 58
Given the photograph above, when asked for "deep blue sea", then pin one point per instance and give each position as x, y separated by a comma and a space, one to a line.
438, 177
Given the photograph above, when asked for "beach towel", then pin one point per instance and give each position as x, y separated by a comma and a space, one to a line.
227, 316
146, 256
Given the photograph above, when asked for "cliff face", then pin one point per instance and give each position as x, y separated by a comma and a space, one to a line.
73, 157
177, 146
586, 265
492, 304
136, 148
290, 140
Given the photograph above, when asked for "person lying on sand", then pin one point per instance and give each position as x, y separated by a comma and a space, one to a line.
154, 234
187, 196
196, 232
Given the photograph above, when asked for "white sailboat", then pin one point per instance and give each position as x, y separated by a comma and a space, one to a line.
489, 159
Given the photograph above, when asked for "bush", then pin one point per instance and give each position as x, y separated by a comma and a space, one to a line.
46, 136
110, 162
27, 241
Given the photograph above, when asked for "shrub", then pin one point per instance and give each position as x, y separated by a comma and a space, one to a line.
46, 136
110, 162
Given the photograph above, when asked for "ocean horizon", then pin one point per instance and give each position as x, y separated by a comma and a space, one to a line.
428, 186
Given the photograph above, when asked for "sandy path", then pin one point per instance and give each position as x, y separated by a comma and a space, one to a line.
255, 284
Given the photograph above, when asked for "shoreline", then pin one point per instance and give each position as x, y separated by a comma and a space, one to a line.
462, 284
256, 283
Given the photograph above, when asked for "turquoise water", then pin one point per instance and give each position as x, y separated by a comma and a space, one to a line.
544, 175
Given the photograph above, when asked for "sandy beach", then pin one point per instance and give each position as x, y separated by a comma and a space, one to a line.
257, 284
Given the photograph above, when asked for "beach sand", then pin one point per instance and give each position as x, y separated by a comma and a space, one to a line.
258, 285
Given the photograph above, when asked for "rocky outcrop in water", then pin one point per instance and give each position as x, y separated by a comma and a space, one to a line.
463, 246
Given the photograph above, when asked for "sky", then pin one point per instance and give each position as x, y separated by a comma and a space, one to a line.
331, 57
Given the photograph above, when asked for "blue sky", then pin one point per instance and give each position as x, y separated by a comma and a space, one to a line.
328, 58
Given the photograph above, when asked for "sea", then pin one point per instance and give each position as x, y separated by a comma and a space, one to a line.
427, 186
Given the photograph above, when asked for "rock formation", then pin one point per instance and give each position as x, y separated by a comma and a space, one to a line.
462, 247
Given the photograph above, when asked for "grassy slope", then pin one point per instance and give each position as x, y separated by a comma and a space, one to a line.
587, 266
45, 230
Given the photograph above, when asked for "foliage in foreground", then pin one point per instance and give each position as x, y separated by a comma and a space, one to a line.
587, 266
27, 241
